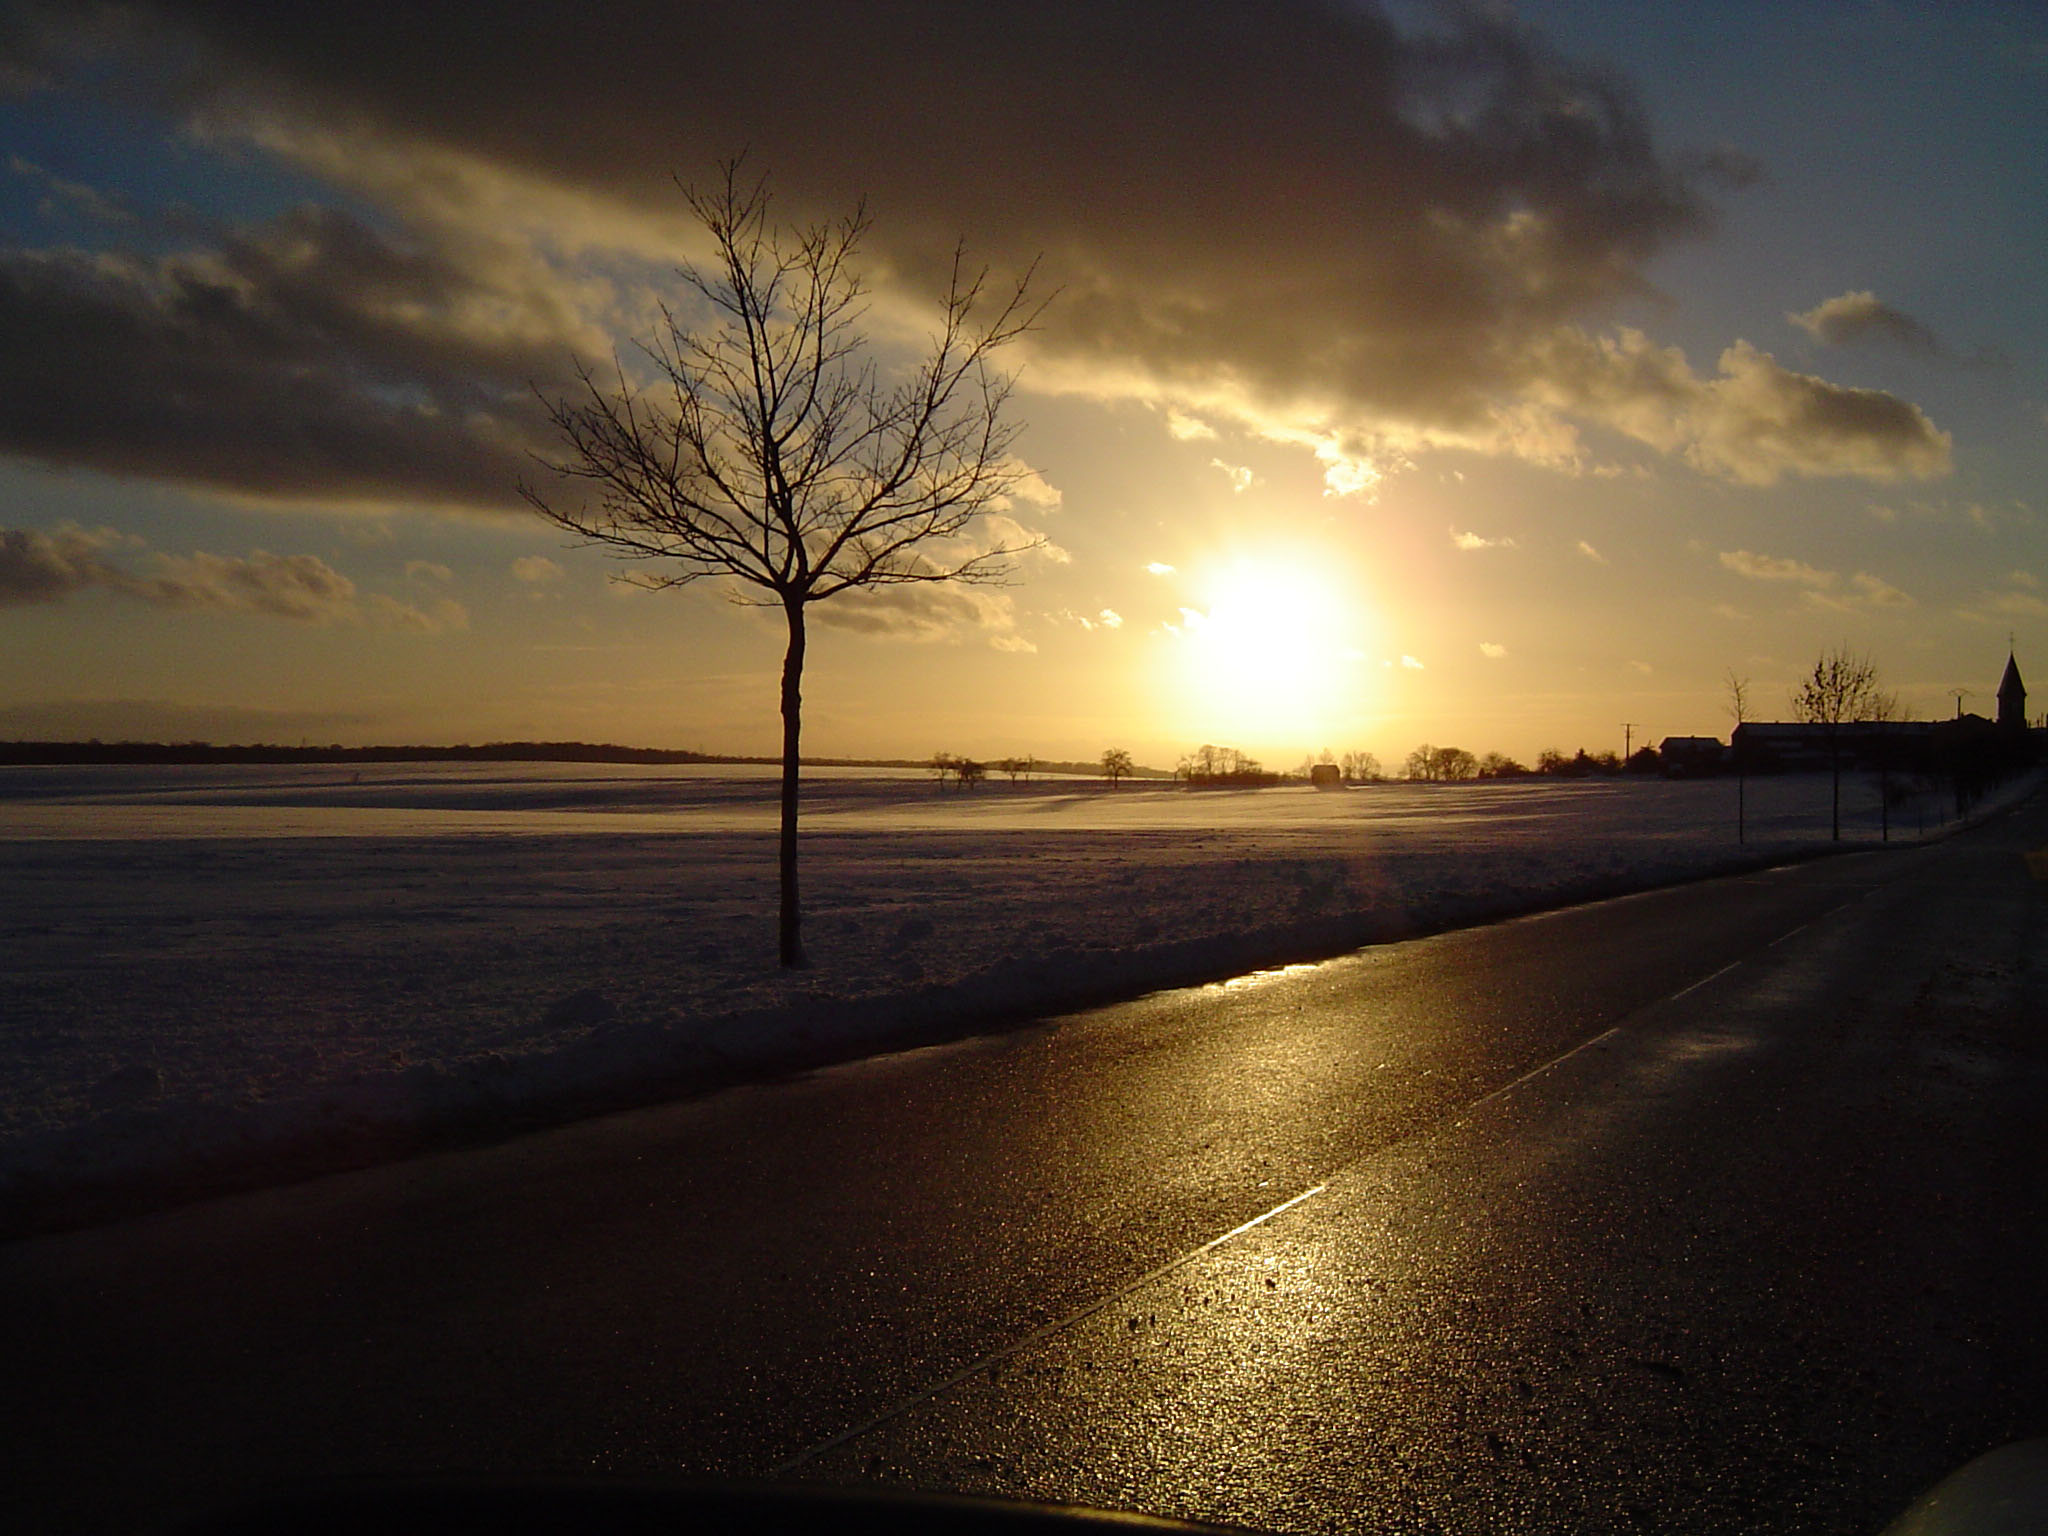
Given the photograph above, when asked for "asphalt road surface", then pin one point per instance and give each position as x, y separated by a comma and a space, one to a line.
1715, 1209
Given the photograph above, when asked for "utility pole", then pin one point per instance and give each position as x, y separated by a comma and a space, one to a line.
1627, 740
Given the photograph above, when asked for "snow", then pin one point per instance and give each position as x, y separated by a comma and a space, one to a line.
228, 974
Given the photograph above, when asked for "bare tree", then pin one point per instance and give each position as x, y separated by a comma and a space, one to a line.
1116, 764
1841, 690
1738, 706
1361, 767
768, 447
1441, 765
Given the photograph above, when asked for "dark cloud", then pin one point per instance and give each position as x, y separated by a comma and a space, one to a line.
38, 567
308, 357
1289, 211
302, 587
1855, 317
924, 611
1754, 421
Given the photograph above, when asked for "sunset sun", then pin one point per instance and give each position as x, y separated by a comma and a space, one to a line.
1270, 654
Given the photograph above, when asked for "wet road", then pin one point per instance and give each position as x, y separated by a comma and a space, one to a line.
1718, 1208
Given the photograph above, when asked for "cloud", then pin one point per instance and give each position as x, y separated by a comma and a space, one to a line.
997, 530
1492, 651
1030, 489
1271, 211
536, 570
1878, 593
72, 197
1239, 475
1591, 553
434, 618
1856, 317
428, 571
1865, 591
310, 357
1411, 664
37, 567
1108, 618
1159, 568
1770, 568
2018, 604
301, 587
1755, 422
1473, 541
924, 611
2022, 600
1360, 237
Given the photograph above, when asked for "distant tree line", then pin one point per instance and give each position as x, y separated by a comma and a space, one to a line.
966, 772
1429, 764
96, 751
1213, 767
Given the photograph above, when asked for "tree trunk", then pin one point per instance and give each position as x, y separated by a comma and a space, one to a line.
790, 928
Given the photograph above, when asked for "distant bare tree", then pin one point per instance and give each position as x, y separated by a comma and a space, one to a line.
1841, 690
1116, 764
771, 450
1361, 767
1441, 765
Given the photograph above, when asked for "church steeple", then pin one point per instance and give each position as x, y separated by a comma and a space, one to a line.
2012, 697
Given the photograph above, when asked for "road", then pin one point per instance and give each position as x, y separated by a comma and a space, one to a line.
1716, 1208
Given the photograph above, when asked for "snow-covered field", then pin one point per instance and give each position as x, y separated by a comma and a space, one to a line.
222, 971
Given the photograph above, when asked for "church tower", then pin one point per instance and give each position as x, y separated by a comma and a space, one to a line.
2012, 697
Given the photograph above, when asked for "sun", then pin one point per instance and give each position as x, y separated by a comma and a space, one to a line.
1270, 655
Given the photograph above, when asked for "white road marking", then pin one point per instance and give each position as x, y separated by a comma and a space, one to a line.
976, 1367
1674, 997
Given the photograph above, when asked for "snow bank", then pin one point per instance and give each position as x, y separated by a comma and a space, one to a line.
227, 975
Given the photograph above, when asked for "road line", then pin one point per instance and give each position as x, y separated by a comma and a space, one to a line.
1674, 997
1048, 1330
1536, 1071
1037, 1335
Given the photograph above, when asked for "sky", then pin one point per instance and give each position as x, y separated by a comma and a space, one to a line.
1499, 376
